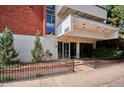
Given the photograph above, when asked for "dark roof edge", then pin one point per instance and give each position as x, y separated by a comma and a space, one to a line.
101, 7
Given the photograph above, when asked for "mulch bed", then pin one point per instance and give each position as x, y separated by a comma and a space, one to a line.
36, 66
99, 63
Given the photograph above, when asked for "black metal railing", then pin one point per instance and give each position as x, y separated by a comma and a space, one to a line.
36, 69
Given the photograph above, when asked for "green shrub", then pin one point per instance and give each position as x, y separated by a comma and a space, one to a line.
107, 53
37, 52
7, 50
122, 54
118, 53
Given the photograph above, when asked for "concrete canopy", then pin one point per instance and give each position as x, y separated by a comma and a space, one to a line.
85, 28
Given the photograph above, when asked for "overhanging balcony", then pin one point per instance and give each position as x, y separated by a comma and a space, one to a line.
77, 26
88, 11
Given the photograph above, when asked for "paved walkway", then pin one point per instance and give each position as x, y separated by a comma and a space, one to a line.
84, 76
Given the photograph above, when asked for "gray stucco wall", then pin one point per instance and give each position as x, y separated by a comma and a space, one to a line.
24, 44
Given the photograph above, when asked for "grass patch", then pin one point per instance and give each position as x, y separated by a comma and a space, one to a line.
5, 77
39, 75
7, 67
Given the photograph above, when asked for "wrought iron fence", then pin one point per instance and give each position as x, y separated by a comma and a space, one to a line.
33, 70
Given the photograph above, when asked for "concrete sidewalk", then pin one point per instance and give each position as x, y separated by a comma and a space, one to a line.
106, 76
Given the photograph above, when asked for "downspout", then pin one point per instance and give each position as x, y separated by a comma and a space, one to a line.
44, 20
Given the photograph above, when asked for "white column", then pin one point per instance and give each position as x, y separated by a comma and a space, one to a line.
94, 45
78, 50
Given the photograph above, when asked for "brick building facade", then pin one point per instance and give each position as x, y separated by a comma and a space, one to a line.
23, 20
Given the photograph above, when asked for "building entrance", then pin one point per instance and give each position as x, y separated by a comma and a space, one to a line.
66, 50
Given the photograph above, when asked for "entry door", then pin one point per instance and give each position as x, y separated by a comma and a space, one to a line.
72, 50
85, 50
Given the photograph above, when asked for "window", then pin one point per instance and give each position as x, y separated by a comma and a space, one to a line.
50, 7
50, 19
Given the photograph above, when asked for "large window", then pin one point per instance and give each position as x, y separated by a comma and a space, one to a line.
50, 18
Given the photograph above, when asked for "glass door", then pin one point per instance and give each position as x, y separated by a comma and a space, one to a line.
66, 50
60, 49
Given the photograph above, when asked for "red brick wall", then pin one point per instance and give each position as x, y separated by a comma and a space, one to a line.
24, 20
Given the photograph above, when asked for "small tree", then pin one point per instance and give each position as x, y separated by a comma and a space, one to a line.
37, 52
7, 50
115, 14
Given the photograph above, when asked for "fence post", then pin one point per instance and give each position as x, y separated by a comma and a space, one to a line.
73, 65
